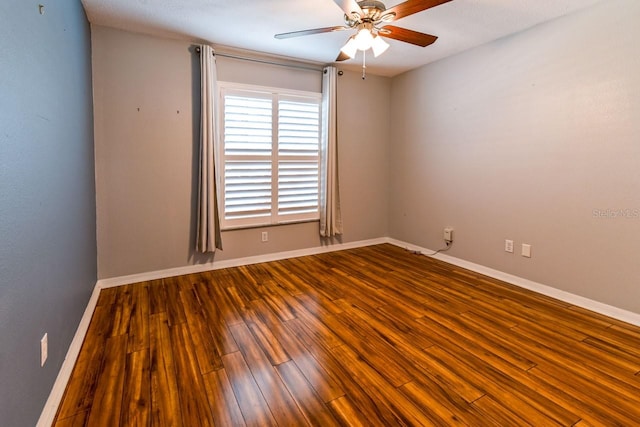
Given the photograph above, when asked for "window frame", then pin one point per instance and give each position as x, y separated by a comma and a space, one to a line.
276, 95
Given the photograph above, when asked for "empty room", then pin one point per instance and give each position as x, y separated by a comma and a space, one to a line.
319, 212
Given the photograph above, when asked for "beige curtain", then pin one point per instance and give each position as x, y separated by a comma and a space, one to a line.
330, 215
208, 230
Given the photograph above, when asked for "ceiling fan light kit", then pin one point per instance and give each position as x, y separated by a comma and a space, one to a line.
365, 39
367, 18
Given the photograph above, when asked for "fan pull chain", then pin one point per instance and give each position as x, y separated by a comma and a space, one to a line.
364, 65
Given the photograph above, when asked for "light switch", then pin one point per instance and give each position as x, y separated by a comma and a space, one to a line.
508, 246
526, 250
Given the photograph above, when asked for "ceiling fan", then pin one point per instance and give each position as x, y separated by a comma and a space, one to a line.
368, 18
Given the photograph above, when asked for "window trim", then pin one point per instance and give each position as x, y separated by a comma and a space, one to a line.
275, 94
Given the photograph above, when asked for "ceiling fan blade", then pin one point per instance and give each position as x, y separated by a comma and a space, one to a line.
342, 57
407, 36
309, 32
413, 6
349, 6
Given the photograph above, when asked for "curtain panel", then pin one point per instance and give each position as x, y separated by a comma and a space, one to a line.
208, 236
330, 214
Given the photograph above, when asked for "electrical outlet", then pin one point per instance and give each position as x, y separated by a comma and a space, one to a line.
508, 246
526, 250
44, 349
265, 236
448, 234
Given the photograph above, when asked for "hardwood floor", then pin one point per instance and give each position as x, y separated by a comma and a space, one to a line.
370, 336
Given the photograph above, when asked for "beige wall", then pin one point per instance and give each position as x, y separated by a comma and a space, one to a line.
145, 95
523, 139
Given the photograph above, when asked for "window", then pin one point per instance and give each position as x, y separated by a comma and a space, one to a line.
269, 156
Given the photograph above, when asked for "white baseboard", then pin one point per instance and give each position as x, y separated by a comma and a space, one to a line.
577, 300
216, 265
55, 397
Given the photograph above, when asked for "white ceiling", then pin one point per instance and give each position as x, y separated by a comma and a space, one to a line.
251, 25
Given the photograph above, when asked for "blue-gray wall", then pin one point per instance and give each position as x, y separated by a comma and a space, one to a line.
47, 195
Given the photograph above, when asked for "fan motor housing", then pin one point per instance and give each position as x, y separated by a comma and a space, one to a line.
372, 4
372, 12
372, 9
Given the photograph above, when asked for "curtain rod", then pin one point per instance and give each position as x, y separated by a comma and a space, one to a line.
264, 61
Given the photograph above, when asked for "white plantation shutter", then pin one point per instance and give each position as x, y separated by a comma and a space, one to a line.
270, 154
298, 128
298, 149
247, 126
247, 189
297, 187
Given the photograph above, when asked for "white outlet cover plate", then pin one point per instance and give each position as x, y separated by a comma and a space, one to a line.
526, 250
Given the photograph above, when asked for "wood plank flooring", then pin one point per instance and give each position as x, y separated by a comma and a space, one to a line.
363, 337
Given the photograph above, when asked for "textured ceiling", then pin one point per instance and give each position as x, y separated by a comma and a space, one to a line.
251, 25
